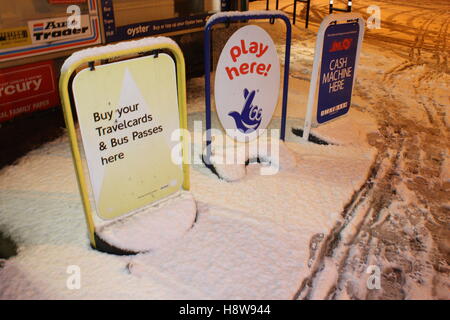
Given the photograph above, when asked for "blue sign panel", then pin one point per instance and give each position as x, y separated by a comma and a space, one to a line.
337, 70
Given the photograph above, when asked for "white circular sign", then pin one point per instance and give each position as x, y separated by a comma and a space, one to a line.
247, 82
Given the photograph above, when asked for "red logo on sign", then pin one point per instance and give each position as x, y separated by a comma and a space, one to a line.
26, 89
341, 45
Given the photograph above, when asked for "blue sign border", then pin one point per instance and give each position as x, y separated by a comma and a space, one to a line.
244, 16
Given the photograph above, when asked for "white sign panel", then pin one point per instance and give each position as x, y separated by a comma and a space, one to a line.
127, 111
247, 82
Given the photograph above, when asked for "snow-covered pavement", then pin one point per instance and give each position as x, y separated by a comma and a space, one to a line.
377, 196
252, 238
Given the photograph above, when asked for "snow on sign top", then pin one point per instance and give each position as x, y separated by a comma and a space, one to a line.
247, 82
230, 14
118, 47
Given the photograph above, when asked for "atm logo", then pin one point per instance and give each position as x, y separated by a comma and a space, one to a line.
341, 45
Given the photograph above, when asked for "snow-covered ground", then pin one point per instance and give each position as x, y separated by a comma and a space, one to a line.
376, 196
403, 84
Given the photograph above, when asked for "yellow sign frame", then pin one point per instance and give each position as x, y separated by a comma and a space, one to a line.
65, 82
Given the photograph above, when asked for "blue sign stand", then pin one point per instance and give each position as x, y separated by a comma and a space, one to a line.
336, 59
243, 16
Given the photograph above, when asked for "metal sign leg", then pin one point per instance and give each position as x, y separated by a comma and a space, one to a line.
308, 3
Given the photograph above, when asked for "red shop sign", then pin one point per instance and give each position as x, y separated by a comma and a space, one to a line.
27, 88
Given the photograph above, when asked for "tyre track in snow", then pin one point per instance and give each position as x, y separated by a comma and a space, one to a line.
418, 4
400, 33
358, 253
362, 211
333, 240
435, 112
371, 233
424, 32
441, 47
420, 263
396, 220
433, 143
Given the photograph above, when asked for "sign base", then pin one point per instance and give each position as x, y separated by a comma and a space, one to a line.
129, 98
149, 228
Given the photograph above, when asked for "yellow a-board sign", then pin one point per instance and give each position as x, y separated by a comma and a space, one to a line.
127, 112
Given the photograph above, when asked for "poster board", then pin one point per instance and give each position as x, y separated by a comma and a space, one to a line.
127, 111
336, 58
247, 82
237, 16
99, 94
